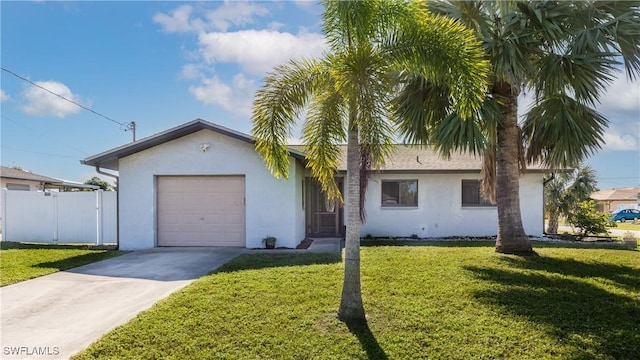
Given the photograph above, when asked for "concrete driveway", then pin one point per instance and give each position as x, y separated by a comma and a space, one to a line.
58, 315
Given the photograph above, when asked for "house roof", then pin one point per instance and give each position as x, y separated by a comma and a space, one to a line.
109, 159
404, 158
19, 174
414, 158
629, 193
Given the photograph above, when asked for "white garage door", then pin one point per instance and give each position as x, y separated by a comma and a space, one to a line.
201, 211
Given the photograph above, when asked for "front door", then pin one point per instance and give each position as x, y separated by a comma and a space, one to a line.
325, 218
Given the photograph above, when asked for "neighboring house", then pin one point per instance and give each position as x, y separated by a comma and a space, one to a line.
200, 184
12, 178
18, 179
615, 199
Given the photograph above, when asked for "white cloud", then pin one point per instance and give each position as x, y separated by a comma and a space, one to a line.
305, 4
238, 13
186, 18
4, 96
235, 97
622, 96
275, 26
253, 51
258, 51
191, 72
178, 20
614, 141
39, 102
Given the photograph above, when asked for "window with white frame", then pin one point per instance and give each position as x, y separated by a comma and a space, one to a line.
399, 193
471, 194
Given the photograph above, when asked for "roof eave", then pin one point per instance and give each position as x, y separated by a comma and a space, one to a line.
110, 158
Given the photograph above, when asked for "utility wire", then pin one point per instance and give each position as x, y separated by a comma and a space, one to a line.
64, 98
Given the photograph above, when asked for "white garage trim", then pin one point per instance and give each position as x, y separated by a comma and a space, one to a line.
201, 211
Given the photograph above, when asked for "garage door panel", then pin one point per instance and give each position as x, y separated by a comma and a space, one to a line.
201, 211
234, 219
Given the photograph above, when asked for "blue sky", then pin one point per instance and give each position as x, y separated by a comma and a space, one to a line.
161, 64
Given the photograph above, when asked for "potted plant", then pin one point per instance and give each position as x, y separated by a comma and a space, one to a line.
269, 242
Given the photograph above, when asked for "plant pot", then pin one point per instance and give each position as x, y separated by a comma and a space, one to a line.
270, 243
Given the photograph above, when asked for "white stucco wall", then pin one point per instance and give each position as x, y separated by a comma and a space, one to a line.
272, 205
439, 212
300, 203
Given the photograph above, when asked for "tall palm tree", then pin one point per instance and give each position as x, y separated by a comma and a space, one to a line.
564, 53
346, 96
565, 191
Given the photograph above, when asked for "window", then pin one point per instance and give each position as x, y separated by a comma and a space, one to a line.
399, 193
24, 187
471, 194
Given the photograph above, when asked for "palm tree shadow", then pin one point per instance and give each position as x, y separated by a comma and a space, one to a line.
367, 340
553, 292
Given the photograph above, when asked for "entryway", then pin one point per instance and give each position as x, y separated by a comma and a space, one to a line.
324, 217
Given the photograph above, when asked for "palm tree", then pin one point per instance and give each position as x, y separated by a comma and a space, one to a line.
564, 53
565, 191
346, 96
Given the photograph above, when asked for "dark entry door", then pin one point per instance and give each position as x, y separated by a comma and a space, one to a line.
325, 218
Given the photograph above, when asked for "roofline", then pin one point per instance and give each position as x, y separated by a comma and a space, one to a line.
168, 135
439, 171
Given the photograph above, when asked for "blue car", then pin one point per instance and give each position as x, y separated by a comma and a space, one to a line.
624, 215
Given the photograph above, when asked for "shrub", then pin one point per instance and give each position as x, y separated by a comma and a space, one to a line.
589, 220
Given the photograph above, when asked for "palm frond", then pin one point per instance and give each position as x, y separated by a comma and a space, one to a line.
323, 130
418, 106
585, 75
442, 51
276, 105
561, 131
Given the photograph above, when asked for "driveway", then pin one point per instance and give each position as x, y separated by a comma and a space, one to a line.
58, 315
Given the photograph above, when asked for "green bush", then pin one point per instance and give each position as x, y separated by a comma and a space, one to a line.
589, 220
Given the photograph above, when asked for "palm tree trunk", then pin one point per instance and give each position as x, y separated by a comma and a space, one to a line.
552, 225
511, 236
351, 307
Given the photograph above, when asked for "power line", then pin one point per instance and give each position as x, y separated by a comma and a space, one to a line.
127, 127
62, 97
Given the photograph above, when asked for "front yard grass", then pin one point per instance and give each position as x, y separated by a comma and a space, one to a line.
448, 300
627, 226
19, 262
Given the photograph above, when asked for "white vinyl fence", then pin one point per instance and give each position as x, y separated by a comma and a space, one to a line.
59, 217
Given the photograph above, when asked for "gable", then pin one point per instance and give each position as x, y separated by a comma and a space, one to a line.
110, 158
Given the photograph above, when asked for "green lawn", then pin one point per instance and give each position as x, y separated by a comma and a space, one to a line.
19, 262
442, 301
627, 226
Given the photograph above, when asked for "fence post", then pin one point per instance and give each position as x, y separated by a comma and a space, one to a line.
99, 224
4, 214
54, 195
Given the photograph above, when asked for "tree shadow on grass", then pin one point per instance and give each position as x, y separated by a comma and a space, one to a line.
450, 243
265, 260
367, 340
624, 276
594, 321
75, 261
10, 245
